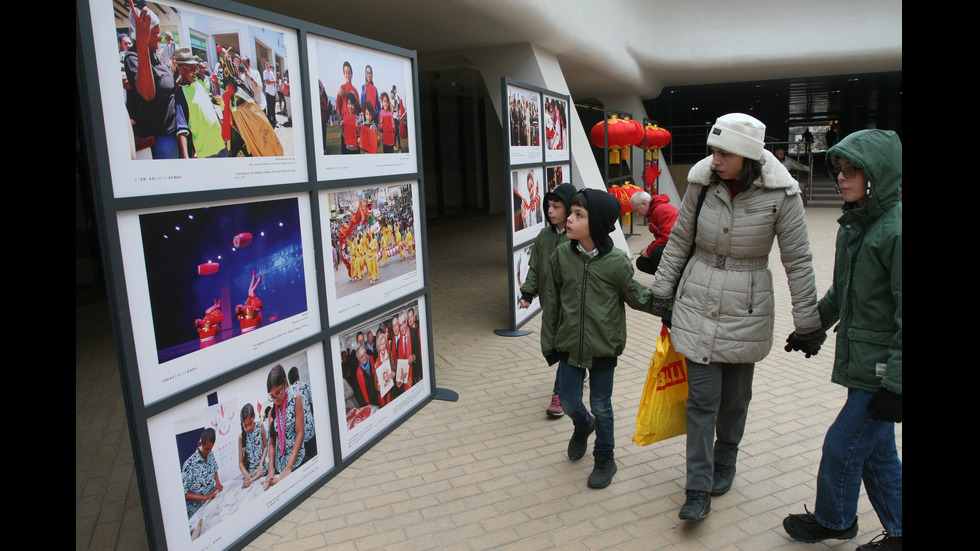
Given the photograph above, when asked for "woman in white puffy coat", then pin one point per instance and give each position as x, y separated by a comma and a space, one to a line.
722, 318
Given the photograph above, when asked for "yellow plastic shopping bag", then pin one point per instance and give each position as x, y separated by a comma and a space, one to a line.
662, 407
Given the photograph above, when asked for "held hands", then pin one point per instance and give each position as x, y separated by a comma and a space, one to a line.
885, 405
661, 305
808, 343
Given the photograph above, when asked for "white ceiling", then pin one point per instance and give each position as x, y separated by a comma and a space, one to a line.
635, 46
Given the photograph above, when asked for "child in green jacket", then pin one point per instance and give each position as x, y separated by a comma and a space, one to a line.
584, 322
865, 303
558, 203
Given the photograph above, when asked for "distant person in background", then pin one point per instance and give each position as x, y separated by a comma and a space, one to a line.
661, 216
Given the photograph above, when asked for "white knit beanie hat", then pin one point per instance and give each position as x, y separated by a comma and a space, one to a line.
740, 134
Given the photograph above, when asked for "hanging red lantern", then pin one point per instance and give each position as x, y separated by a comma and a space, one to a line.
624, 193
637, 137
622, 134
656, 138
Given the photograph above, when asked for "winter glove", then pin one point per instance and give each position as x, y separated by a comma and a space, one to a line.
552, 358
808, 343
659, 306
885, 405
668, 318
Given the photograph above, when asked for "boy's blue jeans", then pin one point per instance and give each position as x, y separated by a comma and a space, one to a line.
600, 400
858, 447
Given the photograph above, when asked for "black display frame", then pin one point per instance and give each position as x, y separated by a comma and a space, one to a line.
543, 164
92, 127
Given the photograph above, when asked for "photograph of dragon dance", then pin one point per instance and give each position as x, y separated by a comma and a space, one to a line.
373, 235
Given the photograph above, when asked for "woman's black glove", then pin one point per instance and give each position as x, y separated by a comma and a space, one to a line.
885, 405
808, 343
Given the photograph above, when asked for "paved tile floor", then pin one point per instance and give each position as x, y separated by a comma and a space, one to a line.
490, 471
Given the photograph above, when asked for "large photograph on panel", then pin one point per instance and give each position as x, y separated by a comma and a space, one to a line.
373, 253
227, 459
381, 370
212, 286
196, 99
555, 118
524, 125
363, 105
527, 203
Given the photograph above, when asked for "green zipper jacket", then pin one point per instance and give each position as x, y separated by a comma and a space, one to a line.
584, 320
866, 295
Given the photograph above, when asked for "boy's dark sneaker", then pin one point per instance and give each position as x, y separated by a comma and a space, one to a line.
602, 473
805, 528
723, 477
554, 410
886, 543
579, 442
697, 506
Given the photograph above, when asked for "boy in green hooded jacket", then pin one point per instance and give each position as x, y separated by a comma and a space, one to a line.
865, 301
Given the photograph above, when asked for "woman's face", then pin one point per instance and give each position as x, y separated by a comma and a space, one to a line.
278, 394
248, 424
727, 165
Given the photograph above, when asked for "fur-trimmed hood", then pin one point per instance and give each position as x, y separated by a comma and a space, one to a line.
774, 174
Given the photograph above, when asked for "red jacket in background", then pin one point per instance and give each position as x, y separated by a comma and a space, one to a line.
660, 219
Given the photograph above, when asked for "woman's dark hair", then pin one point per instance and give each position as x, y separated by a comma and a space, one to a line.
751, 170
277, 376
248, 412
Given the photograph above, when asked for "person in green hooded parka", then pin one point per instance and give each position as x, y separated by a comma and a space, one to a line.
865, 301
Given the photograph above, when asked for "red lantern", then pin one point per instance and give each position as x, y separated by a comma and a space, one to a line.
622, 134
656, 138
624, 193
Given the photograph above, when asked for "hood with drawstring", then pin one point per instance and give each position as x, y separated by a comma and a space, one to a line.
878, 154
563, 193
604, 209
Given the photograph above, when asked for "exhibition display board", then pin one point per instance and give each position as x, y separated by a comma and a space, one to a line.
536, 142
259, 191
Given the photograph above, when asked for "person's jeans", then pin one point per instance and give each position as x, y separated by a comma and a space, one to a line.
600, 400
858, 447
717, 405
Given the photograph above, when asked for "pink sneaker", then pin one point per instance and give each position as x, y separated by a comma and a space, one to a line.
554, 410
